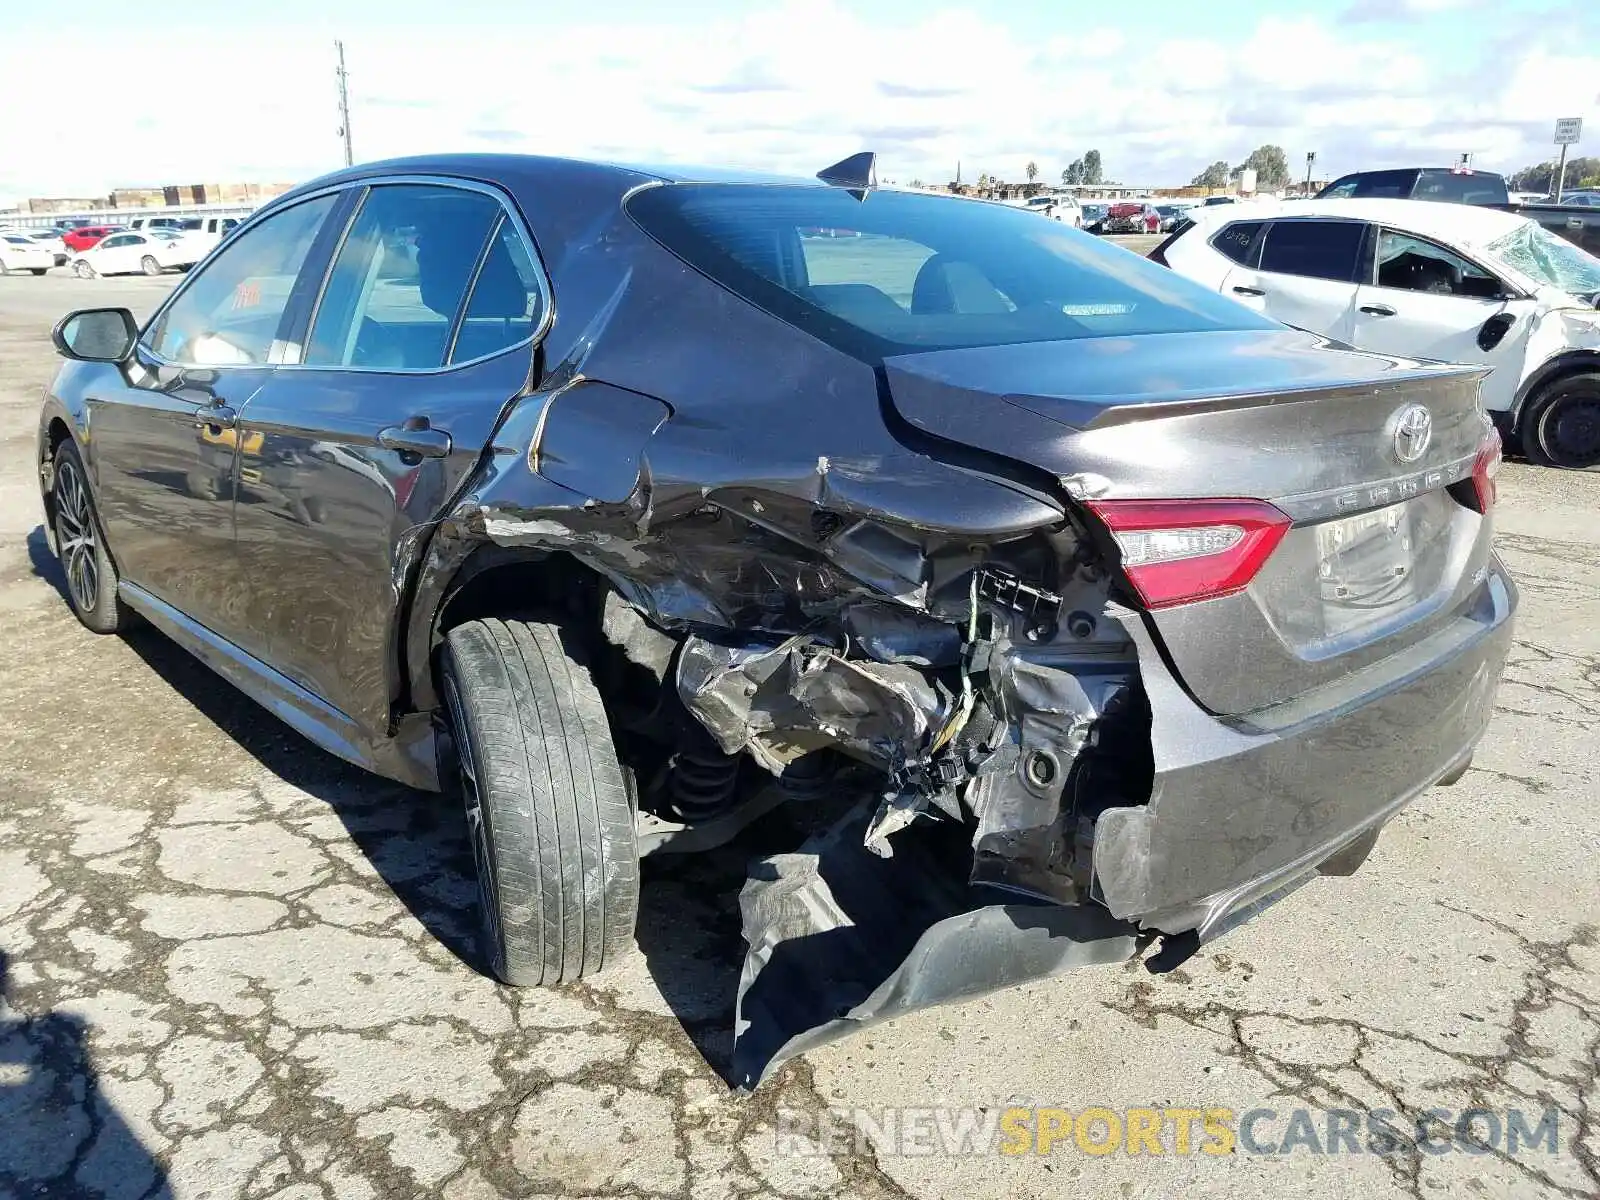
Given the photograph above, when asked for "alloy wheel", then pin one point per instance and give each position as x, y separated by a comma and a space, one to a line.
75, 535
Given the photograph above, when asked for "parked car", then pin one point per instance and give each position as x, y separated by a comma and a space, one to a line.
19, 253
51, 241
1578, 222
127, 252
81, 237
1428, 280
207, 232
1094, 217
1063, 208
999, 547
1172, 215
146, 223
1128, 216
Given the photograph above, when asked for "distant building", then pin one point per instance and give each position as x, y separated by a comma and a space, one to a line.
167, 196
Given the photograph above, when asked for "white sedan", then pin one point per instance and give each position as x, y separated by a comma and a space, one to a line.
19, 252
151, 251
1418, 279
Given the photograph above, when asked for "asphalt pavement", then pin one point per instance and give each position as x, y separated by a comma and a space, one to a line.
234, 968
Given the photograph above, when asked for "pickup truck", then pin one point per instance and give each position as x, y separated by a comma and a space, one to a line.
1579, 224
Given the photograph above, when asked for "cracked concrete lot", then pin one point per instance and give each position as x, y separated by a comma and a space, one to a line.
236, 969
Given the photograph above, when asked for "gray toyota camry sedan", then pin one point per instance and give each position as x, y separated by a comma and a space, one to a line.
1067, 606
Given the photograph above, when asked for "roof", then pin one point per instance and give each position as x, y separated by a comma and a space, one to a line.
1467, 224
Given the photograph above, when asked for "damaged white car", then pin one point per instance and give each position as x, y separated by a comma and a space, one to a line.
1449, 282
1084, 607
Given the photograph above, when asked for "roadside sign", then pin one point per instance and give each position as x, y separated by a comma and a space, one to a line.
1568, 130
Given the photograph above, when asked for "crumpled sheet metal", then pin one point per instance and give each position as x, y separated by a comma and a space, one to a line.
780, 700
1024, 839
840, 940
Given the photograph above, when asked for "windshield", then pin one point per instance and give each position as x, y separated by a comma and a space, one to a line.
1551, 260
899, 272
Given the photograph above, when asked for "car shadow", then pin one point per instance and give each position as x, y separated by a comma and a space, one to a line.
45, 564
416, 841
63, 1134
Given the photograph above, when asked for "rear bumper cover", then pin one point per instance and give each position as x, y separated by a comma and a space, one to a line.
1238, 811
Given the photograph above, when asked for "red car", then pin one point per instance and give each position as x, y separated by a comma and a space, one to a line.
80, 239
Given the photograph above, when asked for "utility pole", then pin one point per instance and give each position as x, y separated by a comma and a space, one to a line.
1311, 157
344, 106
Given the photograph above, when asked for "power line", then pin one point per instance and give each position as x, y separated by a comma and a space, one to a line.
344, 106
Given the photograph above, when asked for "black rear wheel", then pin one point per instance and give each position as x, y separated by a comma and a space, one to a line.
1560, 427
548, 812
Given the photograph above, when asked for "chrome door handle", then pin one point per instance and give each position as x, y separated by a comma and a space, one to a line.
424, 441
217, 416
1377, 310
1248, 291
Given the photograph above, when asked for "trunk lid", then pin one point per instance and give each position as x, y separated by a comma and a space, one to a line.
1382, 550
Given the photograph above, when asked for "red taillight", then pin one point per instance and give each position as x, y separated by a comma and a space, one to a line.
1178, 551
1484, 469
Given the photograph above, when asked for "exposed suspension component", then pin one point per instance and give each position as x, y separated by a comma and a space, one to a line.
703, 785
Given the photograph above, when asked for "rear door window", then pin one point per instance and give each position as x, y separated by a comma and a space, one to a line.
1314, 249
507, 302
397, 286
901, 272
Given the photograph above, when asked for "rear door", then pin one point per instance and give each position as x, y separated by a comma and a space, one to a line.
1423, 300
1306, 274
421, 337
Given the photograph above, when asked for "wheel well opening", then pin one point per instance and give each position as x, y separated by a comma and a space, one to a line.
58, 433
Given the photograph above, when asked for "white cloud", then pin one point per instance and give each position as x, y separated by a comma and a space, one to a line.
791, 86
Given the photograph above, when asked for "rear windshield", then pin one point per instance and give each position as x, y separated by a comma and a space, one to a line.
1461, 188
901, 272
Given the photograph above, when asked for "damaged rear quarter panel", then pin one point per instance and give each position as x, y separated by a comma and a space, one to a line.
769, 445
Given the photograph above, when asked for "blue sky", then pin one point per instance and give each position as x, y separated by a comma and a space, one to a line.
1161, 87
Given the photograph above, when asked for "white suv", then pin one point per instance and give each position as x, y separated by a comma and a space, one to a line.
1421, 279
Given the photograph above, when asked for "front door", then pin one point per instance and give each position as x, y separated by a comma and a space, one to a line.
1429, 302
163, 444
420, 339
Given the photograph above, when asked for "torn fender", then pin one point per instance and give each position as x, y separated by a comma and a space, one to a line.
840, 940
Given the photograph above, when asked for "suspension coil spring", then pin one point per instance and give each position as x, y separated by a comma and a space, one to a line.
704, 784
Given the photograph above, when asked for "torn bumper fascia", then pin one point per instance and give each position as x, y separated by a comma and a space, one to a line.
840, 940
1238, 812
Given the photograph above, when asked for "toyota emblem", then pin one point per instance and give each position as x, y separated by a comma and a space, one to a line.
1413, 431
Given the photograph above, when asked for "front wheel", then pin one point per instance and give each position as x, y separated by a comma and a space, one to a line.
39, 270
149, 265
548, 814
82, 270
1561, 426
81, 547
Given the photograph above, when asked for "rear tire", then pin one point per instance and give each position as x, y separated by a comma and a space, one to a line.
82, 270
551, 823
81, 547
39, 270
1560, 427
149, 265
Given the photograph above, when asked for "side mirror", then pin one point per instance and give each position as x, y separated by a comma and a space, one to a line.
96, 335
